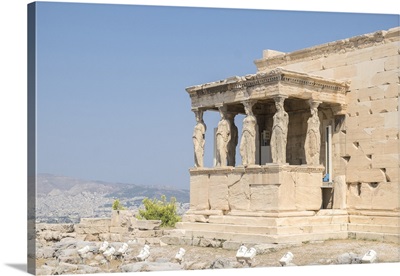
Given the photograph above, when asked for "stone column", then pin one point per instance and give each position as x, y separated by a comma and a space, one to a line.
312, 145
223, 136
249, 136
279, 132
339, 196
234, 139
199, 139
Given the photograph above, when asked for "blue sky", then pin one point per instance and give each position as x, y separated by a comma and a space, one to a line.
111, 99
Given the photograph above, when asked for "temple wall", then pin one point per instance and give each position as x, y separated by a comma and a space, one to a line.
366, 144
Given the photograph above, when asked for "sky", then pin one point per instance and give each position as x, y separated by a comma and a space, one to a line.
111, 79
13, 114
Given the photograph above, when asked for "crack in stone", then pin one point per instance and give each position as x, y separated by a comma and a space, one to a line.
234, 183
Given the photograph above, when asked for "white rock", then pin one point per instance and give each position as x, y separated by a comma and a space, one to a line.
369, 257
250, 254
104, 246
122, 250
109, 252
241, 252
180, 254
84, 250
286, 259
144, 253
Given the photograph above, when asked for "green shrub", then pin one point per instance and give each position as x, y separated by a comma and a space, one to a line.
160, 210
117, 205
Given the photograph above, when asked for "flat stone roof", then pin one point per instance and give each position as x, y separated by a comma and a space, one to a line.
273, 58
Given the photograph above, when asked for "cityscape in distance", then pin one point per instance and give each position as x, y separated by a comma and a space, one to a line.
63, 199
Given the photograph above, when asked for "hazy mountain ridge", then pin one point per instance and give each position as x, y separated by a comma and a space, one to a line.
66, 199
48, 182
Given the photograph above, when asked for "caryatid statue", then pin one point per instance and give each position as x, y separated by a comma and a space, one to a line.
199, 139
312, 144
249, 132
234, 140
279, 132
223, 136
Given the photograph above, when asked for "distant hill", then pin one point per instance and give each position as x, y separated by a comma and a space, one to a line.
47, 183
65, 199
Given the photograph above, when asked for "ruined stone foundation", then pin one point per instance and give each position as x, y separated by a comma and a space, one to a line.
261, 204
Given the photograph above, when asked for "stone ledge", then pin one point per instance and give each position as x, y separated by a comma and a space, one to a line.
194, 218
64, 227
147, 224
331, 212
278, 221
95, 221
394, 238
119, 230
374, 228
205, 212
89, 229
257, 238
267, 168
148, 234
277, 214
266, 230
375, 220
374, 213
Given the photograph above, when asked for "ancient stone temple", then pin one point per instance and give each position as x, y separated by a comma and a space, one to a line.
319, 147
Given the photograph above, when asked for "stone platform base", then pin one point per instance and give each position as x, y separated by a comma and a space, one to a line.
374, 225
218, 230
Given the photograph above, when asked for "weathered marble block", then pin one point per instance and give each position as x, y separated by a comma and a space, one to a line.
257, 188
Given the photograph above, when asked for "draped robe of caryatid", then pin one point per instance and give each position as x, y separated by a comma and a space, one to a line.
312, 144
279, 134
223, 137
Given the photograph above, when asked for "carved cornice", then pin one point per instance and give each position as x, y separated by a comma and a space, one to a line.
278, 75
215, 170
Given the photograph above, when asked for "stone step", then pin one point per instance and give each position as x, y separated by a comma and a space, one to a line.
380, 237
286, 221
267, 239
269, 221
229, 236
384, 229
375, 220
263, 230
312, 237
